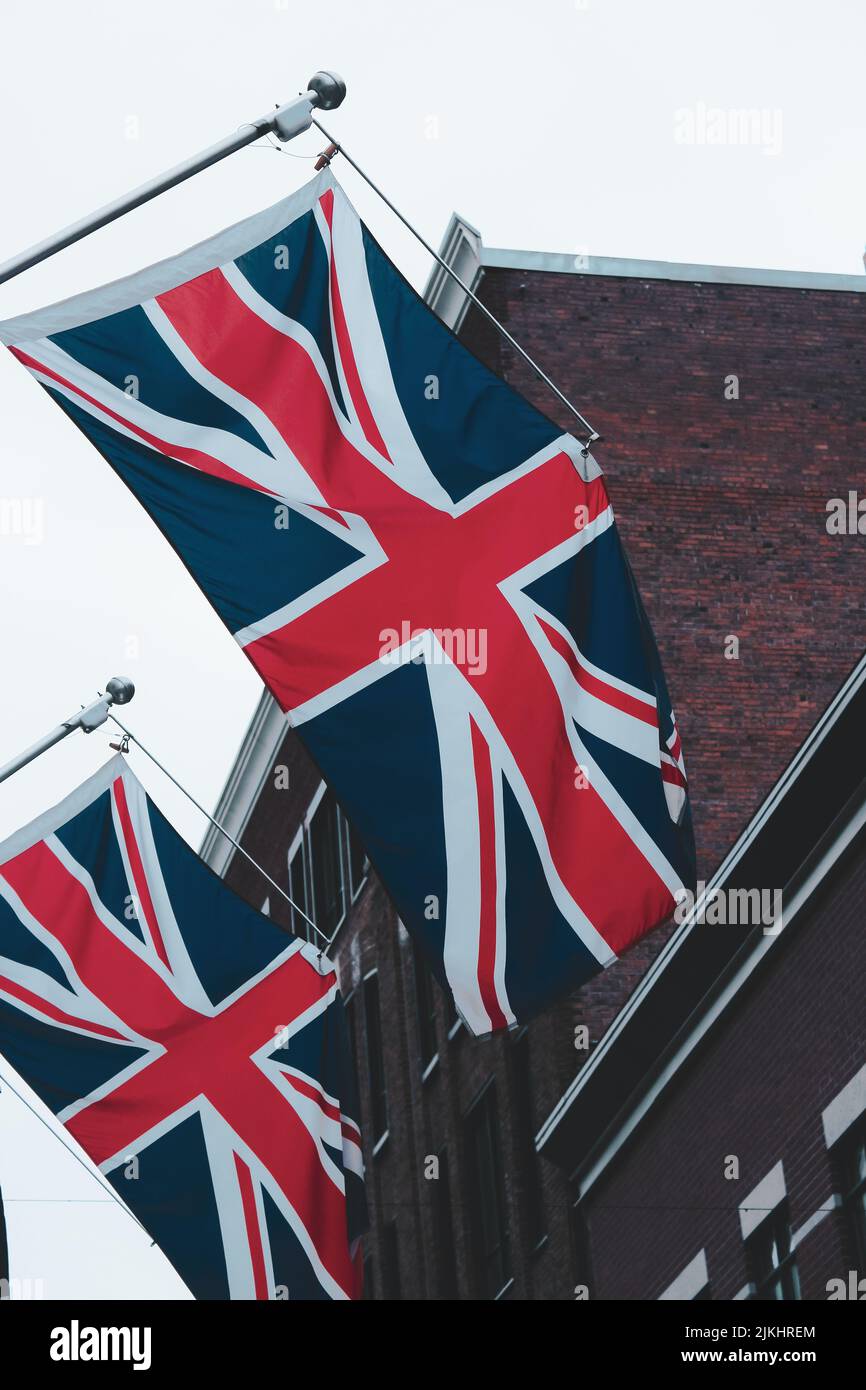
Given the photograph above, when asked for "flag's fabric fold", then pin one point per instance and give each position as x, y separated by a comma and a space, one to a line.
195, 1051
424, 570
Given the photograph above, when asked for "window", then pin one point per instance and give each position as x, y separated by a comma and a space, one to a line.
323, 838
349, 1015
356, 858
298, 891
443, 1232
530, 1174
773, 1265
390, 1262
486, 1206
852, 1172
426, 1006
375, 1058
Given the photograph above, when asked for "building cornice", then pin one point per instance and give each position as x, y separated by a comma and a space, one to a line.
252, 765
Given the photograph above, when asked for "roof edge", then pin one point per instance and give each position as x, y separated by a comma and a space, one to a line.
565, 263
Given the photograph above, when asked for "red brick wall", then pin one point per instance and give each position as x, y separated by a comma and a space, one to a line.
756, 1090
721, 505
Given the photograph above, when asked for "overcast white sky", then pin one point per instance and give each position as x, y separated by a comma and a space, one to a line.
555, 125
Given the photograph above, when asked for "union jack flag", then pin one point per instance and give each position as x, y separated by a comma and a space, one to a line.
424, 570
194, 1051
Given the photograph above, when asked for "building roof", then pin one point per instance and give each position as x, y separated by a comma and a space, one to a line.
813, 815
464, 250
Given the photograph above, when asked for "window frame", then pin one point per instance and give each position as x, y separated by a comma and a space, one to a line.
784, 1275
533, 1209
302, 844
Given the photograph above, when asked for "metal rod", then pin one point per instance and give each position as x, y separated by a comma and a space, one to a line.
500, 327
325, 90
119, 691
221, 828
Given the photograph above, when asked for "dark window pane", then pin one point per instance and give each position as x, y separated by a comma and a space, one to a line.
375, 1058
443, 1232
486, 1205
774, 1269
580, 1249
369, 1292
426, 1007
325, 864
390, 1262
530, 1175
356, 858
349, 1013
852, 1162
298, 894
452, 1017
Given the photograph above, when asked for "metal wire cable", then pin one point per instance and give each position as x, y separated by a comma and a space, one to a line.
449, 270
215, 823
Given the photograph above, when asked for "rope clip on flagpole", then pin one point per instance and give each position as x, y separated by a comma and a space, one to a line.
118, 691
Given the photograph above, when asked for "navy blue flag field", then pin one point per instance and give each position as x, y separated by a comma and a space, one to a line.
424, 570
195, 1051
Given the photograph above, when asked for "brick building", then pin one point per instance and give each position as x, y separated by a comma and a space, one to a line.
733, 410
716, 1141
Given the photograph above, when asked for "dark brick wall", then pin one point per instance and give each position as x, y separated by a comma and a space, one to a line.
722, 508
756, 1090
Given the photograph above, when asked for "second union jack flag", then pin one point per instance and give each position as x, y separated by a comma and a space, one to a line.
424, 570
196, 1052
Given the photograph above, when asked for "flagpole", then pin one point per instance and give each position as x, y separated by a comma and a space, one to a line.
325, 91
119, 691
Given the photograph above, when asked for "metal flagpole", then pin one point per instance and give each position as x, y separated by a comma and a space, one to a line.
119, 691
325, 90
337, 148
129, 735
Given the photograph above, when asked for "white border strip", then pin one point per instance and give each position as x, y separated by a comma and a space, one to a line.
166, 275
